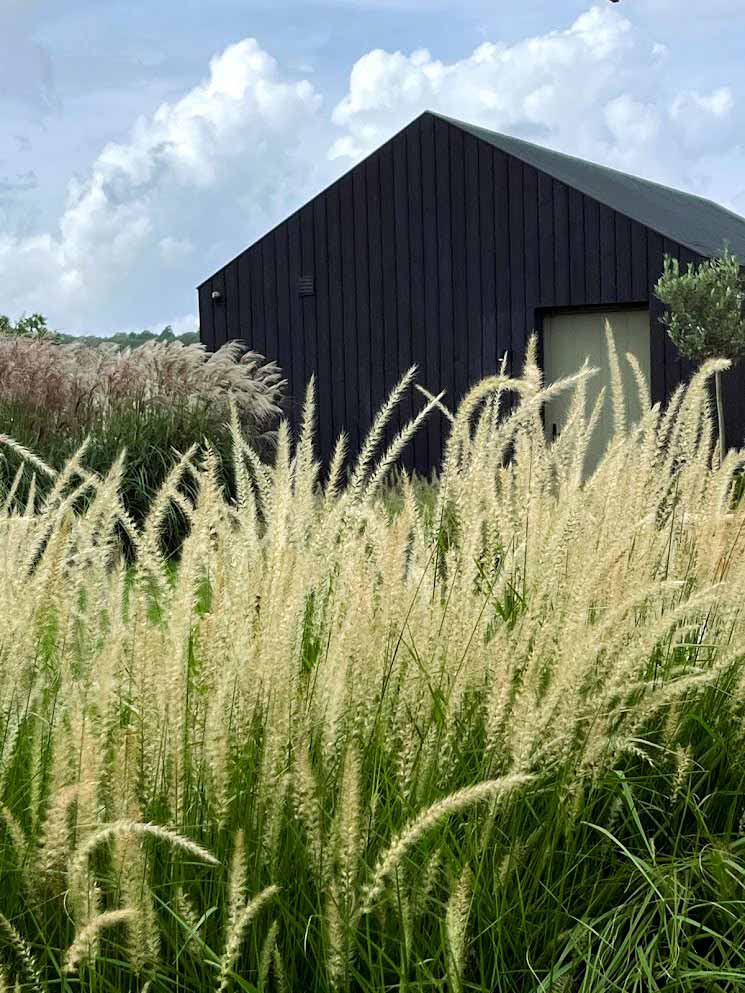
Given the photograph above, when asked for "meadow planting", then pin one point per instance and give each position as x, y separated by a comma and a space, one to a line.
154, 400
490, 741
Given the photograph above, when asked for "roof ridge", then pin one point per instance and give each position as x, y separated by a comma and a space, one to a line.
540, 156
466, 126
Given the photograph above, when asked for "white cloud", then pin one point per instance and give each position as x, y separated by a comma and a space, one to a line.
630, 121
180, 325
174, 250
551, 80
235, 136
590, 90
704, 121
718, 103
199, 178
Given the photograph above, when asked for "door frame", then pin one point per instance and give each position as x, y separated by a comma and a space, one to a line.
548, 310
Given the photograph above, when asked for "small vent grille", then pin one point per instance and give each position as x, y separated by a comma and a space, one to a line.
306, 286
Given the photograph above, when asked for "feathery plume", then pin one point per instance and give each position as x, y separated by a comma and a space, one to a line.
430, 819
84, 945
236, 933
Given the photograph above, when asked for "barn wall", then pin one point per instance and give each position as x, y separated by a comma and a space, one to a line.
438, 250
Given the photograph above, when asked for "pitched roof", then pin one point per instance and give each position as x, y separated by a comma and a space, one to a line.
699, 224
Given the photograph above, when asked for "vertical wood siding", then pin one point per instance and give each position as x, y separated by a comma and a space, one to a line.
443, 251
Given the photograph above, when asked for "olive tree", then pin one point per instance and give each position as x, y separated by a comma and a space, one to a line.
705, 314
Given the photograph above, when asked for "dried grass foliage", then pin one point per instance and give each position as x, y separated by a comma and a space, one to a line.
78, 388
340, 685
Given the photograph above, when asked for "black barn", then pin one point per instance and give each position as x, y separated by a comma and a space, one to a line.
447, 247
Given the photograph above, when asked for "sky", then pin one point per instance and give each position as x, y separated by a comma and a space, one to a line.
143, 145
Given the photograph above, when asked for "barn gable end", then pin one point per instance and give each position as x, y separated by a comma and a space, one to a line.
445, 248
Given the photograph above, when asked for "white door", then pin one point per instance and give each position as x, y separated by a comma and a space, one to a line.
569, 339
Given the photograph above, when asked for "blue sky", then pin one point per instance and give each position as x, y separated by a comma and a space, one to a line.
144, 144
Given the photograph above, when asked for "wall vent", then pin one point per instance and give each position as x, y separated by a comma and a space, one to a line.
306, 286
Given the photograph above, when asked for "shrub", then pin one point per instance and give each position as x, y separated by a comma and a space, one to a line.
333, 751
32, 325
154, 401
706, 314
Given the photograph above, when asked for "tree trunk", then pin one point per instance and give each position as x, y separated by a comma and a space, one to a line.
720, 416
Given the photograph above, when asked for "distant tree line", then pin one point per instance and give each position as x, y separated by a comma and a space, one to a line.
36, 326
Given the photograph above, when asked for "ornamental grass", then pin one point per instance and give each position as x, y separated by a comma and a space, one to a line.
491, 741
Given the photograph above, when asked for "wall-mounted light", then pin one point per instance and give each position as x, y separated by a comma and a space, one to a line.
216, 296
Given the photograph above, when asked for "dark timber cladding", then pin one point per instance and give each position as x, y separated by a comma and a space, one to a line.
444, 248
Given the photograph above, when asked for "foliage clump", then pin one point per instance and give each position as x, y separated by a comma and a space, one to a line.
152, 400
706, 314
28, 325
706, 307
339, 750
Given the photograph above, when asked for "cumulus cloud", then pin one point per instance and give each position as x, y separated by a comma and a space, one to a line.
523, 87
235, 136
174, 250
630, 121
201, 177
596, 89
703, 121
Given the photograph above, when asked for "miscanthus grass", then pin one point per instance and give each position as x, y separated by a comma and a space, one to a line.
489, 740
